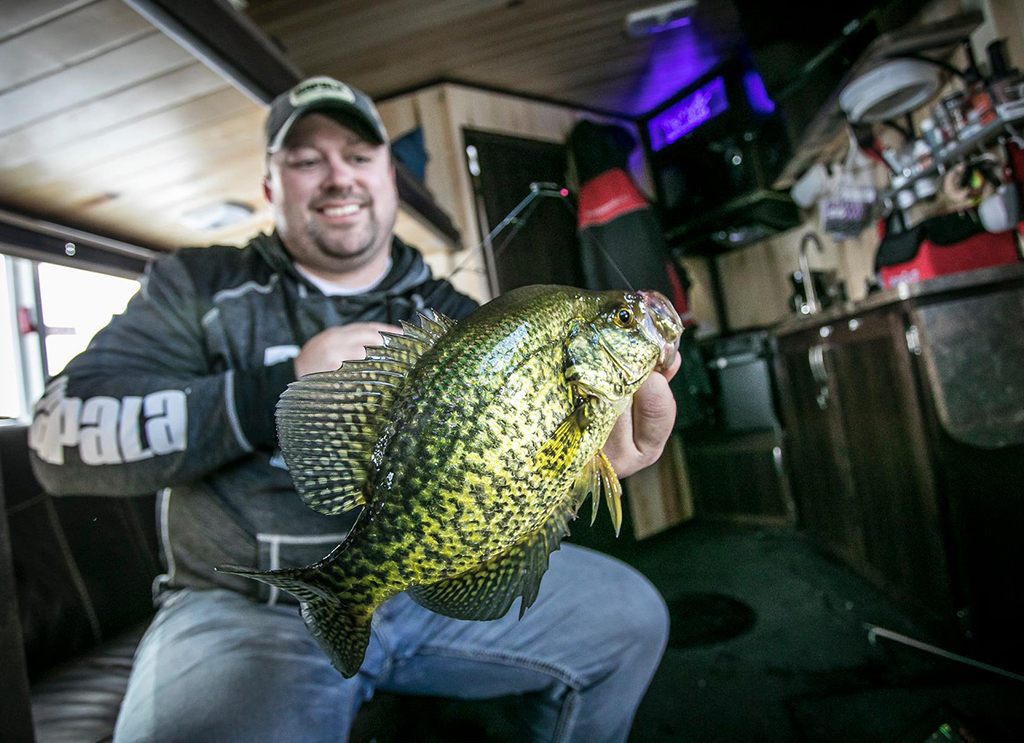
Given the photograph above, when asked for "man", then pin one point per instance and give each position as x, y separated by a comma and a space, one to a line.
178, 395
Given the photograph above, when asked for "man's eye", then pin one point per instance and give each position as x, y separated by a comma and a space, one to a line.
360, 159
307, 162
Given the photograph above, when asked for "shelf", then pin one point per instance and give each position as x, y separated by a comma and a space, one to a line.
421, 204
825, 131
980, 138
773, 211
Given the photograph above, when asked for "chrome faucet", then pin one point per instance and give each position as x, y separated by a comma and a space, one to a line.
813, 305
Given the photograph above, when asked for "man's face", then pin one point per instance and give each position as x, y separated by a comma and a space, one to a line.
333, 194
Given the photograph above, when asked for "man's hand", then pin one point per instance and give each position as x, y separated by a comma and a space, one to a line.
325, 351
641, 432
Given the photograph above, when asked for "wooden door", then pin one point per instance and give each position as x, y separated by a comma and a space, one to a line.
544, 250
886, 449
822, 487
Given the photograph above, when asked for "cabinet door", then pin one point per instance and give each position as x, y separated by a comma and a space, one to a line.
822, 488
878, 408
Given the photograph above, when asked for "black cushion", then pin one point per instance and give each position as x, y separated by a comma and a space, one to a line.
82, 569
78, 702
83, 565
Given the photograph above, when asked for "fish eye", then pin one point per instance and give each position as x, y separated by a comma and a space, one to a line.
624, 317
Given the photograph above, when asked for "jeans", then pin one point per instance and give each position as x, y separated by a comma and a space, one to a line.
216, 666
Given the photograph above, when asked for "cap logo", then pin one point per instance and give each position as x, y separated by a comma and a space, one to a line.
321, 88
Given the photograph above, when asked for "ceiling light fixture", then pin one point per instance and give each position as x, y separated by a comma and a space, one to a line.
658, 18
217, 215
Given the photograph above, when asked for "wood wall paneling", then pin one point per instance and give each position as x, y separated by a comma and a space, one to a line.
574, 51
443, 111
702, 296
187, 155
660, 496
400, 115
756, 278
317, 31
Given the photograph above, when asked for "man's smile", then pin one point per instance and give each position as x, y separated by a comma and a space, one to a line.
340, 212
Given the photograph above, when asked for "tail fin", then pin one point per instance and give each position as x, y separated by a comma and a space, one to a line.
293, 580
343, 632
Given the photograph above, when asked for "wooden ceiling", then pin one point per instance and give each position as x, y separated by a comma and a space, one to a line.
572, 51
108, 125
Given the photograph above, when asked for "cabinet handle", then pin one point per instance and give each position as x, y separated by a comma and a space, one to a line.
914, 340
816, 359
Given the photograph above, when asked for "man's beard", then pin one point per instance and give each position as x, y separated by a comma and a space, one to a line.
349, 244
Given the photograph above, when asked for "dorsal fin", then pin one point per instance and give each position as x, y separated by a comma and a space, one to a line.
328, 423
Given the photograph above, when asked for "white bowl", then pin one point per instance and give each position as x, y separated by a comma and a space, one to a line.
890, 90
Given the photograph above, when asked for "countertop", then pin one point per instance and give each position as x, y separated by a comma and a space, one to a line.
956, 283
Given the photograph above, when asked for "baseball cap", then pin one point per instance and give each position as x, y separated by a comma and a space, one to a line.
323, 95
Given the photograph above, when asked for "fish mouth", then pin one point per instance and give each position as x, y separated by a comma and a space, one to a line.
662, 325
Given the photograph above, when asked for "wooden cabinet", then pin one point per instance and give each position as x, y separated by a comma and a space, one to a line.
905, 447
858, 455
820, 482
971, 368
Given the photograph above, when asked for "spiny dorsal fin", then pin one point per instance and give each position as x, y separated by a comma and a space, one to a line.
487, 591
328, 423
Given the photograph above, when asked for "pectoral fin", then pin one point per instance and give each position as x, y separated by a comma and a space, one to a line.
559, 450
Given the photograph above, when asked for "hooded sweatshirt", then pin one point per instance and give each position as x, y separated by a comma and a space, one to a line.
177, 396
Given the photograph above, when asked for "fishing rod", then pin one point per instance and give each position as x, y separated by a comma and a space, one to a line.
874, 632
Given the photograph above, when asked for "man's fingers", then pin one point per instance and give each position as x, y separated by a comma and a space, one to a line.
673, 367
383, 327
368, 334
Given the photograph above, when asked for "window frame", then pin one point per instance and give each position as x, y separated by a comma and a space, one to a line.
35, 242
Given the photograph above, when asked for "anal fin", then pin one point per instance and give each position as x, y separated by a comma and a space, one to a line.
294, 580
341, 630
487, 591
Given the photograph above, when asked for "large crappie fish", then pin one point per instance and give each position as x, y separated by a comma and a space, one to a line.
470, 445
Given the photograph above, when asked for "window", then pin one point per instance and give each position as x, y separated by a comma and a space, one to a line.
76, 305
48, 315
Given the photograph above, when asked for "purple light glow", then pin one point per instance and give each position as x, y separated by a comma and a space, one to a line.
705, 103
676, 59
757, 95
677, 23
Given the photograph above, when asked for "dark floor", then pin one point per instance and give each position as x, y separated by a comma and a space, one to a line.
768, 644
804, 670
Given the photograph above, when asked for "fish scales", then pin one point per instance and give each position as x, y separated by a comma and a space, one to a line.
475, 440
